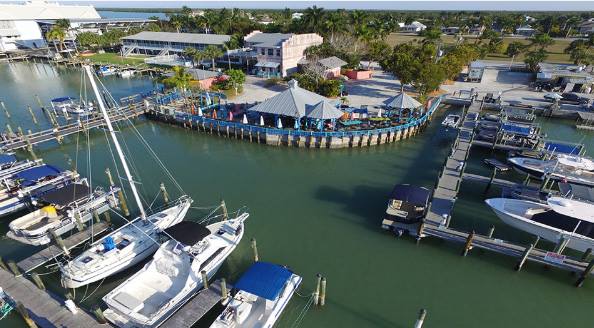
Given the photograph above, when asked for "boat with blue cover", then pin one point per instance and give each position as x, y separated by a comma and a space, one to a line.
10, 165
7, 160
16, 190
69, 105
261, 295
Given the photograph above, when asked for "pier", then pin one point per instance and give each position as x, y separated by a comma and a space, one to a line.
196, 307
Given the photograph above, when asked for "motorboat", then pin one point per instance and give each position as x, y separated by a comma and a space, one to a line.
70, 105
559, 218
451, 121
61, 210
563, 167
173, 276
107, 70
7, 161
127, 72
261, 295
16, 191
7, 304
495, 163
407, 206
15, 167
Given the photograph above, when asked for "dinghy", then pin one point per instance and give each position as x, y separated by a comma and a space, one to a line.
451, 121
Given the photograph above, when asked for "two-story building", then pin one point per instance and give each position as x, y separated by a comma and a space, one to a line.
165, 43
278, 54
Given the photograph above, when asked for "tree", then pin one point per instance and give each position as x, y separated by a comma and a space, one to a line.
180, 79
212, 53
236, 78
534, 58
198, 56
400, 62
513, 49
312, 19
376, 51
431, 35
63, 23
541, 41
56, 33
190, 52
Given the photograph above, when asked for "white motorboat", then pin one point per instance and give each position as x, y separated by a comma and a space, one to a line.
568, 168
263, 292
451, 121
558, 218
61, 210
126, 73
107, 70
173, 276
69, 105
132, 242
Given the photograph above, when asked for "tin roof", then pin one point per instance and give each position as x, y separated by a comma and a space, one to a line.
332, 62
195, 38
402, 101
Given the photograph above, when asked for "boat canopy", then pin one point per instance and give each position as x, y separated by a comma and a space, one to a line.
62, 99
573, 208
563, 147
265, 280
411, 194
187, 232
517, 129
32, 175
67, 195
7, 159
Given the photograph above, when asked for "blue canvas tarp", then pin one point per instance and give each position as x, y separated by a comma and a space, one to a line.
7, 159
517, 129
31, 176
265, 280
563, 148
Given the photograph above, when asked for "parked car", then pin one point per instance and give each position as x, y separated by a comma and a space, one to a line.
572, 98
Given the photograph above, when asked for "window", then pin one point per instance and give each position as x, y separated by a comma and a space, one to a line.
270, 52
263, 51
278, 52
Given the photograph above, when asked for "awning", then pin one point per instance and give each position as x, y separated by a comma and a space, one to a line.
32, 175
266, 280
7, 159
267, 64
517, 129
67, 195
323, 111
187, 232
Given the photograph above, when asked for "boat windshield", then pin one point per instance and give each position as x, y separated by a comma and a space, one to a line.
565, 223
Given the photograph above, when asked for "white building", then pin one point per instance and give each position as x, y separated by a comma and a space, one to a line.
587, 27
414, 27
19, 27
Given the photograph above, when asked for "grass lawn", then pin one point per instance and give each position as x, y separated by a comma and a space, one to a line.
555, 51
113, 58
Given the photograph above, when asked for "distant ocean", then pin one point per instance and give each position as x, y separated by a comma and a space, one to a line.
129, 14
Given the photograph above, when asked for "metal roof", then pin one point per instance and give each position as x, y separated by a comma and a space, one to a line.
196, 38
267, 64
266, 280
291, 102
200, 74
268, 39
34, 10
402, 101
323, 111
332, 62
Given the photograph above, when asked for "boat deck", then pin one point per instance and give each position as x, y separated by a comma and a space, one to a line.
196, 307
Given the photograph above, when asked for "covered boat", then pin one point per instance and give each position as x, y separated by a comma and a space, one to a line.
407, 206
567, 168
154, 293
70, 105
13, 168
7, 160
61, 210
262, 293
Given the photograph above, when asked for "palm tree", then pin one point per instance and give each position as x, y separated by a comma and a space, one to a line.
213, 52
541, 40
189, 52
513, 49
335, 22
312, 18
199, 56
56, 33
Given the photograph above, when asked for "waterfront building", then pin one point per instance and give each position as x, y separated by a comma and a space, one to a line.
414, 27
19, 26
165, 43
278, 54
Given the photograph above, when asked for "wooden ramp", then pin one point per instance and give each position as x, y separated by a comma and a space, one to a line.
195, 308
51, 252
47, 311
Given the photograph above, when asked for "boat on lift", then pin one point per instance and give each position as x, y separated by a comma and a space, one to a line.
11, 166
106, 70
173, 276
17, 190
568, 168
61, 210
451, 121
556, 219
133, 242
261, 295
70, 105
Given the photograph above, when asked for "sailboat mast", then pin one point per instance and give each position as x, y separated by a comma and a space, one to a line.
115, 141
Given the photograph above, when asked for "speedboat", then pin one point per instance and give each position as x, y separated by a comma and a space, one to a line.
451, 121
559, 218
107, 70
262, 293
173, 276
6, 304
61, 210
567, 168
127, 73
407, 206
16, 191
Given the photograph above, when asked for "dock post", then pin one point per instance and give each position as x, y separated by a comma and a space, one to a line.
14, 268
96, 217
468, 243
421, 318
585, 274
561, 244
527, 180
32, 114
491, 180
5, 109
204, 279
107, 217
59, 241
524, 257
323, 292
99, 314
29, 145
79, 224
491, 231
584, 258
316, 294
9, 130
39, 102
420, 232
25, 314
255, 248
123, 203
545, 182
224, 291
224, 208
3, 265
37, 280
164, 193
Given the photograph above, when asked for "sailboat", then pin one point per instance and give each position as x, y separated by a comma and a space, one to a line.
173, 276
132, 242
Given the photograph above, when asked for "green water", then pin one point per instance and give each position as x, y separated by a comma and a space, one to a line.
319, 212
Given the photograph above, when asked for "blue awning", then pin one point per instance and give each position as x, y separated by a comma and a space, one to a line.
32, 175
265, 280
563, 148
517, 129
62, 99
7, 159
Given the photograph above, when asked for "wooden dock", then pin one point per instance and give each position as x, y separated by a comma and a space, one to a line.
46, 310
51, 252
195, 308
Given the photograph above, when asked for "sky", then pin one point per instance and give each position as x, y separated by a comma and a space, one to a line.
508, 5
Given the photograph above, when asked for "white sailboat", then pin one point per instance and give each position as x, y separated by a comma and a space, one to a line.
129, 244
554, 220
569, 168
263, 292
173, 276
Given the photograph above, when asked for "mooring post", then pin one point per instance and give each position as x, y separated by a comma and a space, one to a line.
524, 257
323, 292
5, 109
493, 174
14, 268
3, 265
224, 291
585, 274
224, 208
420, 232
468, 243
25, 314
545, 182
39, 102
584, 258
164, 193
316, 294
59, 242
107, 217
99, 314
204, 279
491, 231
79, 224
32, 114
96, 216
9, 130
255, 248
123, 203
420, 318
37, 280
561, 244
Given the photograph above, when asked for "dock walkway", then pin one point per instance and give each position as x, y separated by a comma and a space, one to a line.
195, 308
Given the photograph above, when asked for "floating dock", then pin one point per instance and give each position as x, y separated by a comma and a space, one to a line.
196, 308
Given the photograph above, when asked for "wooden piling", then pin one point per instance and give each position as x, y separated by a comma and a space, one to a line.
420, 232
224, 208
25, 315
204, 279
584, 258
164, 193
491, 231
561, 244
3, 265
5, 109
59, 241
9, 130
524, 257
32, 114
37, 280
255, 248
323, 292
96, 217
421, 318
468, 243
585, 274
99, 315
14, 268
107, 217
224, 291
493, 174
79, 224
39, 102
316, 294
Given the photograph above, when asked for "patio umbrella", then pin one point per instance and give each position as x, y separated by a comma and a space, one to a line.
261, 120
230, 116
244, 121
200, 111
280, 123
379, 112
320, 125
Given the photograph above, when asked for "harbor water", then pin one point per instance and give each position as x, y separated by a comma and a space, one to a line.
318, 211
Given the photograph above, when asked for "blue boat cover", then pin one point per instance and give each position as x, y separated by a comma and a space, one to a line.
517, 129
7, 159
563, 148
62, 99
30, 176
108, 244
265, 280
